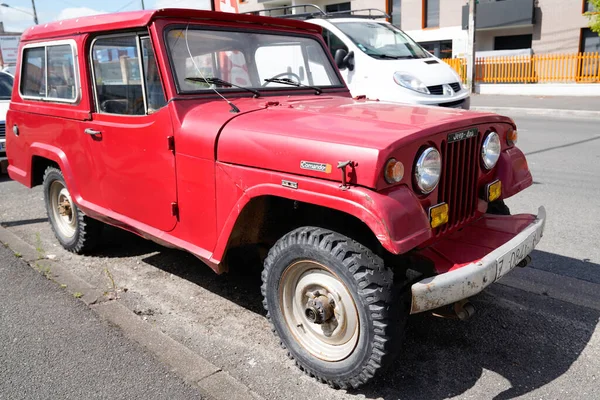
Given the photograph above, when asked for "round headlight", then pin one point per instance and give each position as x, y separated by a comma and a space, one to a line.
428, 170
490, 151
394, 171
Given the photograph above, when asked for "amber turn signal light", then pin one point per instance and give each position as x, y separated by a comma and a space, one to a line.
438, 215
394, 171
494, 191
511, 137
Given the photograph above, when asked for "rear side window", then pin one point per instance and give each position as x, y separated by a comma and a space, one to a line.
49, 73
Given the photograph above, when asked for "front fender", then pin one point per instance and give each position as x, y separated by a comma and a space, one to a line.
514, 172
395, 217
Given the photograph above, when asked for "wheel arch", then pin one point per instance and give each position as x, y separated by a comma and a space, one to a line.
361, 214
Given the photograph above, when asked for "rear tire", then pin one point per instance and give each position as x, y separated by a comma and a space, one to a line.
75, 231
365, 321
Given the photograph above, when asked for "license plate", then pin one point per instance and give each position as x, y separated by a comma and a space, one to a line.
2, 146
512, 258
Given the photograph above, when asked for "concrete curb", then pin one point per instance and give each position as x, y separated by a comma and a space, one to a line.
540, 111
212, 382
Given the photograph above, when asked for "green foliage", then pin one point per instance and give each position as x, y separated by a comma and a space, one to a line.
594, 16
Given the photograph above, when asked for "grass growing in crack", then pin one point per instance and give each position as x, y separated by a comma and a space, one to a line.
113, 291
78, 295
44, 270
63, 286
18, 255
38, 247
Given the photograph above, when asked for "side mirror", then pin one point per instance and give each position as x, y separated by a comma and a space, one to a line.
343, 59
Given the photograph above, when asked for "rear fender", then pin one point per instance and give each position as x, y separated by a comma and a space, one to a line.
395, 217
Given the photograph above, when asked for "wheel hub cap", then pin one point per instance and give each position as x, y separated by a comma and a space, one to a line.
319, 310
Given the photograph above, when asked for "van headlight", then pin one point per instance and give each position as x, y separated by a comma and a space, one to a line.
428, 170
490, 151
410, 82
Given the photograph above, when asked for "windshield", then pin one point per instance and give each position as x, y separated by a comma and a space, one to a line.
381, 40
6, 84
201, 57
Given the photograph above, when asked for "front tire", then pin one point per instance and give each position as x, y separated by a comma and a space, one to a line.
75, 231
331, 302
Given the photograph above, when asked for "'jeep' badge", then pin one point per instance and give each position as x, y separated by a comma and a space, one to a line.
315, 166
455, 137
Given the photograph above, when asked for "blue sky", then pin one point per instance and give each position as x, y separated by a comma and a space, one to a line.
52, 10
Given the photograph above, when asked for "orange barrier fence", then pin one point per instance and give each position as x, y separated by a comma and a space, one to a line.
559, 68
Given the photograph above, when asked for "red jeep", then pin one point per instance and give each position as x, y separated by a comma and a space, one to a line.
211, 132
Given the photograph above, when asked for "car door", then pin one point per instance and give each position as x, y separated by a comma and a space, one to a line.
132, 131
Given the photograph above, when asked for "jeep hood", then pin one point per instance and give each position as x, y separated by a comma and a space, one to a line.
310, 136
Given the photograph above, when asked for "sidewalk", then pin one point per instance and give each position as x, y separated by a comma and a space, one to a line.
558, 106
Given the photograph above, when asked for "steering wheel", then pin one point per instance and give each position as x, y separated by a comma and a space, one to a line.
289, 75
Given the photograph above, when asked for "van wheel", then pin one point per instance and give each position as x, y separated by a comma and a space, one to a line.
331, 302
75, 231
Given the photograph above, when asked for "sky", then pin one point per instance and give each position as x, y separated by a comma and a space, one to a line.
53, 10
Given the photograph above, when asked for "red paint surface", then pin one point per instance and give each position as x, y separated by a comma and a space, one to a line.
127, 176
475, 241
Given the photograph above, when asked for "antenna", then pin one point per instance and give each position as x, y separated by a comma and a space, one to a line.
234, 109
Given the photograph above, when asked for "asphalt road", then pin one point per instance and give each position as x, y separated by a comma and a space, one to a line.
53, 347
520, 343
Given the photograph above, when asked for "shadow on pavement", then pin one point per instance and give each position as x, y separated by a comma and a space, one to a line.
528, 339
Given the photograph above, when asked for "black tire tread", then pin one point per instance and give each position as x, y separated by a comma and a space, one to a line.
89, 229
375, 283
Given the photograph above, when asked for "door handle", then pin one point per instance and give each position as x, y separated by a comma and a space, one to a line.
90, 131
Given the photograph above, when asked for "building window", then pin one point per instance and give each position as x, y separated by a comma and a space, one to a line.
339, 7
394, 10
440, 49
514, 42
588, 7
590, 41
431, 13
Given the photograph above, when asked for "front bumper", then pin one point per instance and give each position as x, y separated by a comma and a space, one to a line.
464, 281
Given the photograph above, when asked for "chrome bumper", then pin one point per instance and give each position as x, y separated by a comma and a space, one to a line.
467, 281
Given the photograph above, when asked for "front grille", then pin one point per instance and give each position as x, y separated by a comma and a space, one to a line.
458, 183
437, 89
455, 86
2, 130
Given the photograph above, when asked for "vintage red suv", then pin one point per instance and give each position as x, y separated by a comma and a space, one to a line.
211, 132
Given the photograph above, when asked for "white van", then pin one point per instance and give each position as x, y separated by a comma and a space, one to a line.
380, 61
6, 84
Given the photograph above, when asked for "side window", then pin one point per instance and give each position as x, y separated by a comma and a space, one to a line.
33, 78
154, 89
49, 73
117, 75
333, 42
61, 73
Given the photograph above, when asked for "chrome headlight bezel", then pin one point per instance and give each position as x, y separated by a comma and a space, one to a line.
490, 150
427, 177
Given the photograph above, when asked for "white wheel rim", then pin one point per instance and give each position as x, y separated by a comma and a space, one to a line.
333, 340
62, 208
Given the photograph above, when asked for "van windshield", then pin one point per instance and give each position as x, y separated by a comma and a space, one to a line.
6, 85
204, 59
381, 40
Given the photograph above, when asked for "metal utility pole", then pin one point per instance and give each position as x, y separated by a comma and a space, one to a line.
35, 19
143, 7
471, 46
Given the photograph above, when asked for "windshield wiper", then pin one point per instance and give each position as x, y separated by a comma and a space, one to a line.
288, 81
391, 57
221, 82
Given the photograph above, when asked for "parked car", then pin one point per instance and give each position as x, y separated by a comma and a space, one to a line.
179, 126
379, 60
6, 86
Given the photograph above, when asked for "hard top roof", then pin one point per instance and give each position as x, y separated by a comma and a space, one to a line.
138, 19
